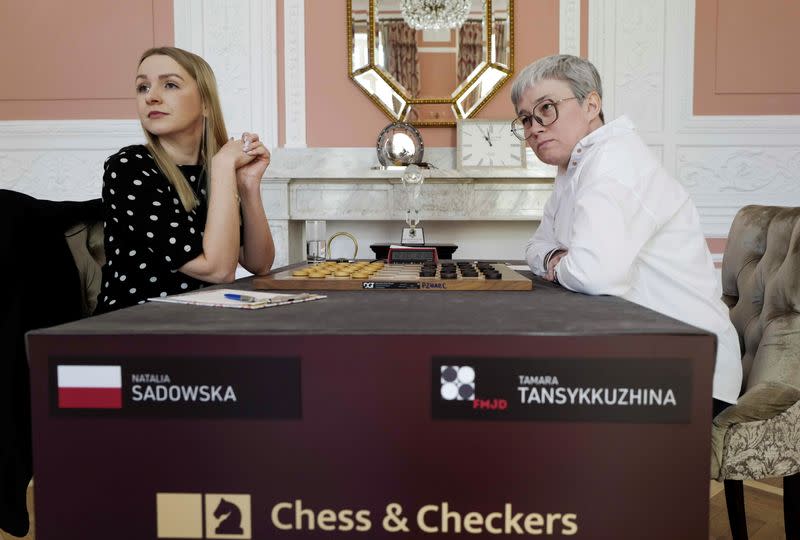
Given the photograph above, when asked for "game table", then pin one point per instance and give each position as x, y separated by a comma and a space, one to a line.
374, 414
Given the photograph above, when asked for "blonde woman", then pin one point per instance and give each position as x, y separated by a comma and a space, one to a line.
184, 209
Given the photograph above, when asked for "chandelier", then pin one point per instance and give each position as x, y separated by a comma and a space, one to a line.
435, 14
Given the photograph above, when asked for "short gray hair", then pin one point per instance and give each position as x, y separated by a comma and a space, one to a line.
581, 76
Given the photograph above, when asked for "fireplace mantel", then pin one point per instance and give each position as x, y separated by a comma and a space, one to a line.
340, 184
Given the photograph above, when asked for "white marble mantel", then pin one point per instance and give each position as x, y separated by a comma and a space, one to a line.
344, 163
342, 185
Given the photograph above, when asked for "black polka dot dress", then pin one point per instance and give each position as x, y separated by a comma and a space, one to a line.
148, 233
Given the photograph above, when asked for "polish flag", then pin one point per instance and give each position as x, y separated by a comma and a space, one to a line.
89, 387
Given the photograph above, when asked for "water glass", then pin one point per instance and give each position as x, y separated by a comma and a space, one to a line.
315, 240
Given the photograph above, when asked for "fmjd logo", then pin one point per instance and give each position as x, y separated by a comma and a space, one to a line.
195, 515
458, 382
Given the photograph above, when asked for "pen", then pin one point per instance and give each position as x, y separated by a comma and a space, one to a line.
240, 297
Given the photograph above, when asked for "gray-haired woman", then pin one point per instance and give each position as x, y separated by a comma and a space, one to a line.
617, 222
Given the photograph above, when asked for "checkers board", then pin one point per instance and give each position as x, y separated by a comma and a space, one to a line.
378, 275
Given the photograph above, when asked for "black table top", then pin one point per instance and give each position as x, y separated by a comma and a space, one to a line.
547, 310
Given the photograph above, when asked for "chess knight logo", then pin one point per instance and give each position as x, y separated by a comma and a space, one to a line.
232, 518
203, 515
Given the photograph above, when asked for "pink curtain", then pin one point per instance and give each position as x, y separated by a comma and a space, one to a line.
400, 54
470, 48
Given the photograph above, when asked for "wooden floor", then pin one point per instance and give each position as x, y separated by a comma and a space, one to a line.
763, 503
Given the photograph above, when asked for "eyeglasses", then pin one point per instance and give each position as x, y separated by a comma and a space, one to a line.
545, 113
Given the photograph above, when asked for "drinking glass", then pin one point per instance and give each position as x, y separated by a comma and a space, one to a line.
315, 240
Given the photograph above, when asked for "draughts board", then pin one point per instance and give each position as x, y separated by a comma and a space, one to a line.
364, 275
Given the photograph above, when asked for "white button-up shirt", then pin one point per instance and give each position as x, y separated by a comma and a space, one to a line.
631, 230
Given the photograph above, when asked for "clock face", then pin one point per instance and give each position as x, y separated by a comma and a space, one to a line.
485, 143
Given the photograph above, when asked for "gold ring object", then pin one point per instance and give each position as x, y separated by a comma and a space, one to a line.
347, 234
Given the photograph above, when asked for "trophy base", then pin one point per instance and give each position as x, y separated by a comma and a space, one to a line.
412, 236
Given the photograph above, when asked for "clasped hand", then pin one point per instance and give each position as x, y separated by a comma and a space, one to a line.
250, 159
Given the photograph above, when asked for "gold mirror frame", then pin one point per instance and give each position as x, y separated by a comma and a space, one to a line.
402, 103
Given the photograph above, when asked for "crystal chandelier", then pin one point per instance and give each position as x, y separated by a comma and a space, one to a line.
435, 14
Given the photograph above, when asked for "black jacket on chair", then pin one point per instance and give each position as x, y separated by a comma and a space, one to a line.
39, 287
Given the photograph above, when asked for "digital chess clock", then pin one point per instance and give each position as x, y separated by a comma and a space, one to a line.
410, 255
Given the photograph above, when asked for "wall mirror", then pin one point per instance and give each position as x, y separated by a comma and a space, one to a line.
430, 62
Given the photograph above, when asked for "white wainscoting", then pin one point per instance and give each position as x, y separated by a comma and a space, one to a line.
61, 160
238, 38
644, 49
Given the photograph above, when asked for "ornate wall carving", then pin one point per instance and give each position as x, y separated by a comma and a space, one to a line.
740, 170
238, 39
569, 27
294, 72
61, 160
639, 62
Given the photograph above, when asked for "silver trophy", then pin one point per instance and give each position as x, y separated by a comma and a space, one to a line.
412, 184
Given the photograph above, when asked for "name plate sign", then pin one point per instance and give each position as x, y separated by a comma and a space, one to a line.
176, 387
643, 390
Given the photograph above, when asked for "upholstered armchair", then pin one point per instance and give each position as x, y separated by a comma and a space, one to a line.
759, 437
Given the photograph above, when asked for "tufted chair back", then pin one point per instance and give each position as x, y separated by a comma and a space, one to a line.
761, 284
759, 437
85, 241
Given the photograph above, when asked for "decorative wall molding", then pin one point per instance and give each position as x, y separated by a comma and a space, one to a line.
682, 19
264, 60
238, 39
639, 74
601, 48
294, 73
188, 21
733, 171
61, 159
269, 45
275, 197
644, 50
569, 27
67, 134
275, 194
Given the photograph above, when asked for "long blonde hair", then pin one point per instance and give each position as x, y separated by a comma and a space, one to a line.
214, 134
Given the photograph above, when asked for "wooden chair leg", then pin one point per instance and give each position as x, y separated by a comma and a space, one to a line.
734, 498
791, 506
